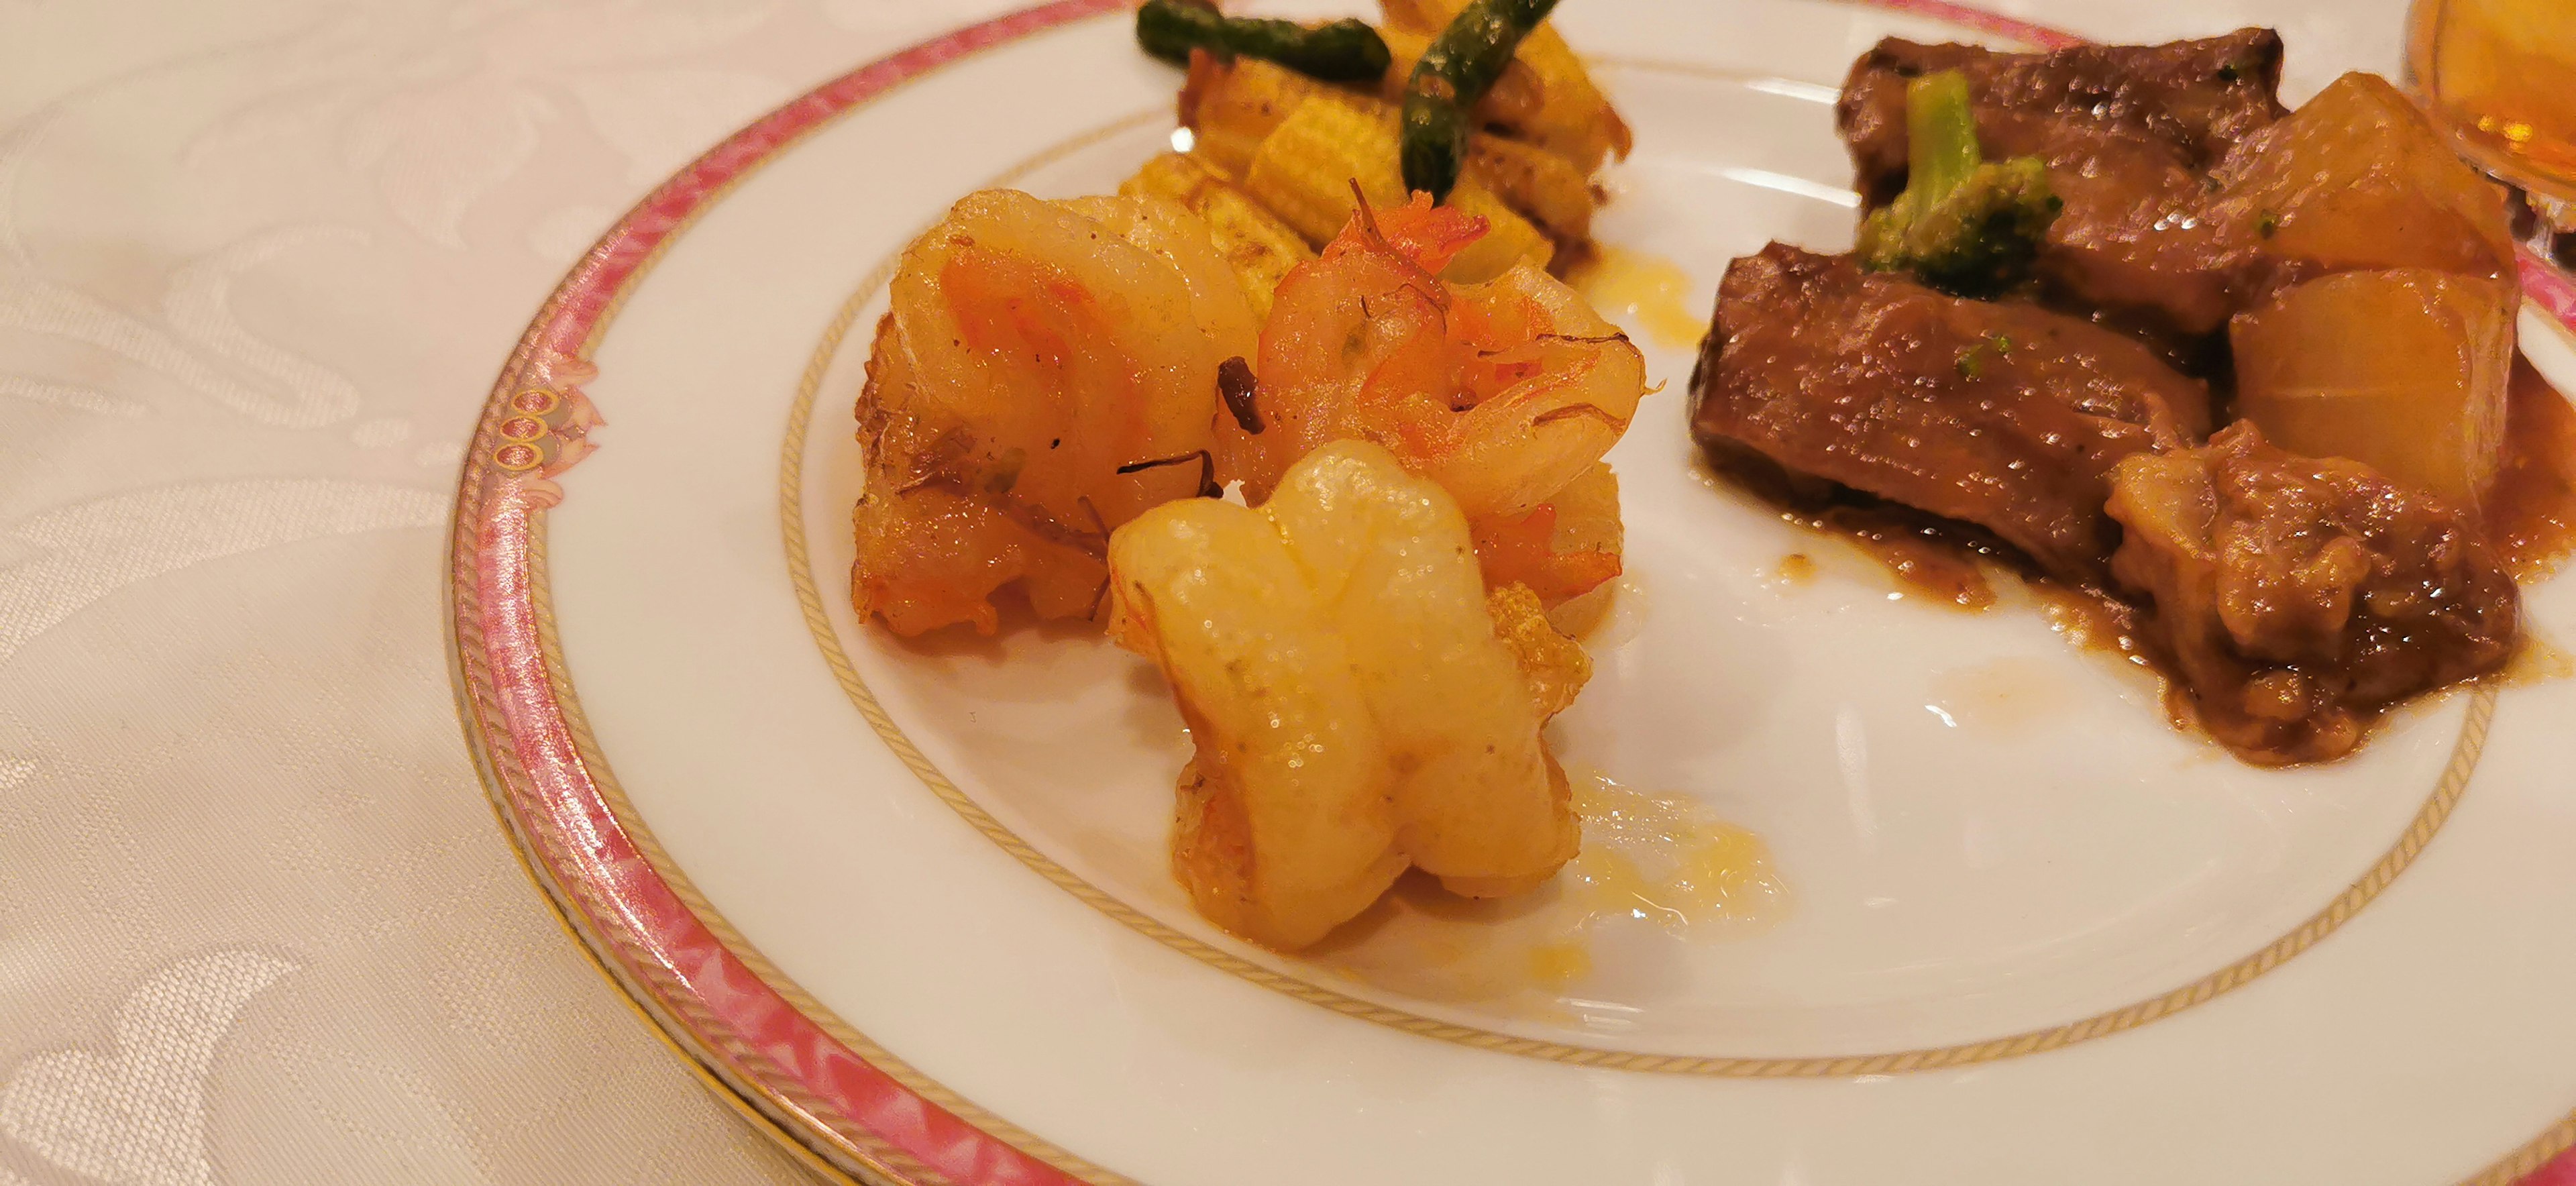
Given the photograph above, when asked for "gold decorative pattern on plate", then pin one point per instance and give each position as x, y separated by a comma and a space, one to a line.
2427, 822
878, 1162
910, 1170
504, 441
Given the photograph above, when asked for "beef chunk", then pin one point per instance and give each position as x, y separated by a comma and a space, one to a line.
2295, 598
2007, 416
2190, 101
2129, 134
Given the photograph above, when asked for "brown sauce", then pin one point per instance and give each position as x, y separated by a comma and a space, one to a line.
2530, 522
2095, 621
2531, 510
2530, 513
1935, 559
1938, 559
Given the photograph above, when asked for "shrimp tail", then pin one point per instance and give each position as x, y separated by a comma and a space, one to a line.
1419, 233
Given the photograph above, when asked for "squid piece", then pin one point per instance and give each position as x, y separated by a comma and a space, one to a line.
1354, 709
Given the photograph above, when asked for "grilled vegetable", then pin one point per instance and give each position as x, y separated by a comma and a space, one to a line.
1964, 225
1544, 187
1452, 76
1258, 246
1543, 98
1337, 51
1308, 166
1231, 107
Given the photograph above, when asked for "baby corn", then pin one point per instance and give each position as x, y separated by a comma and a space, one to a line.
1306, 166
1253, 241
1232, 107
1545, 97
1229, 106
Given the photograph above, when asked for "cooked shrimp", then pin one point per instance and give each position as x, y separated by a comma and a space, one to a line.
1353, 706
1566, 552
1047, 372
1504, 392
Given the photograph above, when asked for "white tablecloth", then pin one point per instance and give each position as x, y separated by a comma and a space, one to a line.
259, 261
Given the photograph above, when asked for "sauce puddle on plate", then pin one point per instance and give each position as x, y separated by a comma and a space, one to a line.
2531, 510
1664, 859
2529, 521
1654, 868
1652, 293
2002, 695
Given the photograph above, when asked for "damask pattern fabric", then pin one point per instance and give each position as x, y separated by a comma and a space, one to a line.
259, 261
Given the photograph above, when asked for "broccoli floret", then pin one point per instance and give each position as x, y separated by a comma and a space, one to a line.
1964, 225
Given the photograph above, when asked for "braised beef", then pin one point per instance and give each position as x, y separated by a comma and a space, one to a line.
2007, 416
2294, 598
2190, 100
2129, 134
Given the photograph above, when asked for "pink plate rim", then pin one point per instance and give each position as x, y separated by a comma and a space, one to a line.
850, 1106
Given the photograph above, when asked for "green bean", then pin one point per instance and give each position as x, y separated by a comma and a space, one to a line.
1336, 51
1453, 74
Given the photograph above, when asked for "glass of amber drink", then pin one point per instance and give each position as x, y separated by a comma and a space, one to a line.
2500, 77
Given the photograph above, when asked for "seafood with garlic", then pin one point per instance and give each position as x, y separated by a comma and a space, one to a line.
1354, 708
1047, 372
1064, 395
1506, 393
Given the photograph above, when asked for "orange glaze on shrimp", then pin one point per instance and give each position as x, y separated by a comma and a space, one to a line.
1503, 392
1047, 372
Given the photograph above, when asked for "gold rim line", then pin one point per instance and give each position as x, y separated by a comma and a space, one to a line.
679, 1018
777, 1087
2427, 822
677, 1015
2558, 1138
650, 850
2528, 1160
868, 1166
732, 1095
467, 665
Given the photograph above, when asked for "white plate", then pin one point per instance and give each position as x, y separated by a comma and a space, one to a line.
2031, 932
